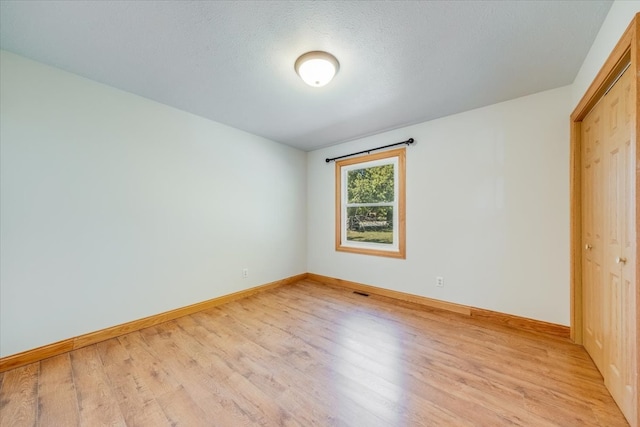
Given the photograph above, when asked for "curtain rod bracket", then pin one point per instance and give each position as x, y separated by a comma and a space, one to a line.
408, 142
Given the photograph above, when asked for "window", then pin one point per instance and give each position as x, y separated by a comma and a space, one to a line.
370, 197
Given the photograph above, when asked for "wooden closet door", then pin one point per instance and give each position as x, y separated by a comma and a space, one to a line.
619, 290
593, 235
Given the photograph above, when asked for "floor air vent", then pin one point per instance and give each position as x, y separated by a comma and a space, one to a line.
361, 293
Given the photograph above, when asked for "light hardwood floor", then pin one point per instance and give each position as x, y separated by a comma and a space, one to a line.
311, 354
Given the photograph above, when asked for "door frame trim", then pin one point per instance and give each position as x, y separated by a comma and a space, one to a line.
626, 51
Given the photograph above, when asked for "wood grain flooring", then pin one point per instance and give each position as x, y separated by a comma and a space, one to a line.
310, 354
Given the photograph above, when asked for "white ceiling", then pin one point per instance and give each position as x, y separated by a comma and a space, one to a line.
232, 62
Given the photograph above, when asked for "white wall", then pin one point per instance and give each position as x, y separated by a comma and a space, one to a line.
487, 208
114, 207
616, 22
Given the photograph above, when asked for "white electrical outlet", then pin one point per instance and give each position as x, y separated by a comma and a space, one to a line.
440, 281
245, 273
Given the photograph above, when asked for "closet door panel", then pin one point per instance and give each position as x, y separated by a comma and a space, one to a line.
619, 290
593, 235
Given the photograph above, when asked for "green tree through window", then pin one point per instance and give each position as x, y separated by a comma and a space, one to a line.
370, 196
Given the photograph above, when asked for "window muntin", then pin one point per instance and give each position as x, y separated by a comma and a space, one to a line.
370, 204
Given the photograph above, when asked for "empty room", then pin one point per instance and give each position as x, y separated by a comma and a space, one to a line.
319, 213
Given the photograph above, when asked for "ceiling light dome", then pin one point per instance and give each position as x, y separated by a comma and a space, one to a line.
317, 68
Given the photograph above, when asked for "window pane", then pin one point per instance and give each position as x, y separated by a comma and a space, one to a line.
373, 224
370, 185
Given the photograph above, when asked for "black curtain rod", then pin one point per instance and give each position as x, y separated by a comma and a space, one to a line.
408, 141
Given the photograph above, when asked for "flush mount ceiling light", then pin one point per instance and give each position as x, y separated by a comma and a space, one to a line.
317, 68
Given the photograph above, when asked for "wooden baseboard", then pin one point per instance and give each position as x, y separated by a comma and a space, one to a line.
524, 323
36, 354
417, 299
509, 320
60, 347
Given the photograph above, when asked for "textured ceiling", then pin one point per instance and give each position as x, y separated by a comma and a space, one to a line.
232, 62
